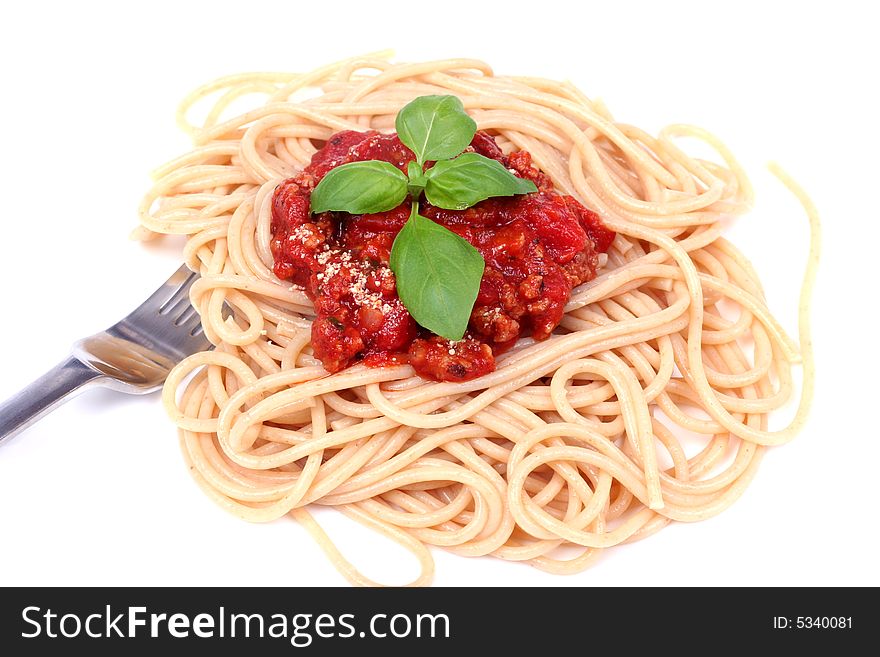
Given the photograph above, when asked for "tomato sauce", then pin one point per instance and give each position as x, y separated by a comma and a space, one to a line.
537, 247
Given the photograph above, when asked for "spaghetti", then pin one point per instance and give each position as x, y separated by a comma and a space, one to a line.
571, 441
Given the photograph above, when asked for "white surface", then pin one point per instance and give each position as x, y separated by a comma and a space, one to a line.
97, 492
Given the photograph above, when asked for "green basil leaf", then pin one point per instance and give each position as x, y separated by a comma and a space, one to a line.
435, 127
470, 178
438, 275
360, 188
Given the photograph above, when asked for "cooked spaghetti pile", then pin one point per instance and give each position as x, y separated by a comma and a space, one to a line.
576, 440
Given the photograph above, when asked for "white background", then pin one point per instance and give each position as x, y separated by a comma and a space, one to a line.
97, 493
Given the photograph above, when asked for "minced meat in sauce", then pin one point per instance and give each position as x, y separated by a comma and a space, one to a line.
537, 247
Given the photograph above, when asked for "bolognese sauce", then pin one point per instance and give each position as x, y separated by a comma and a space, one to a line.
536, 247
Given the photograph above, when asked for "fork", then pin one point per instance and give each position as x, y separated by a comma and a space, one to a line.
134, 356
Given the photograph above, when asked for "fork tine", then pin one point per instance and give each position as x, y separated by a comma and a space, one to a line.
169, 295
171, 291
166, 321
178, 304
186, 315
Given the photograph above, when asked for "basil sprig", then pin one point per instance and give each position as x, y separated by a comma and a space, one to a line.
438, 273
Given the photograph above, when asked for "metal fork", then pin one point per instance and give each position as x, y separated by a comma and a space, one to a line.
134, 355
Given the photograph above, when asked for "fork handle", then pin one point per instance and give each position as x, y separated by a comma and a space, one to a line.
55, 387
